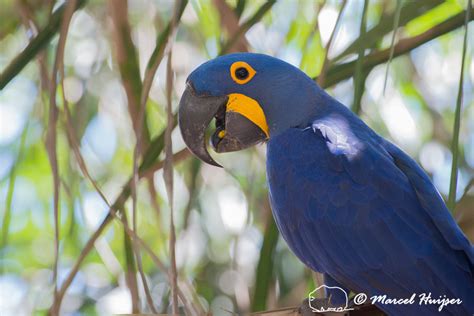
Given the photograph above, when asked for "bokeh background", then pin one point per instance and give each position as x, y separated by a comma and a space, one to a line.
396, 63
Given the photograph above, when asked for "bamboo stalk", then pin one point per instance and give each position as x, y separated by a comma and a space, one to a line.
457, 117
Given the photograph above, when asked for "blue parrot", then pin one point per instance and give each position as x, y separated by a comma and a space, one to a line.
350, 204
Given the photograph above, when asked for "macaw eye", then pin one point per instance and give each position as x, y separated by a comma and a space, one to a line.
241, 72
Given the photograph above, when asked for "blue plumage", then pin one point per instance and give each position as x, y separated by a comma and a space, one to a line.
354, 206
349, 203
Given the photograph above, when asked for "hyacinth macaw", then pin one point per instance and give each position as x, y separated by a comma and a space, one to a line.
349, 203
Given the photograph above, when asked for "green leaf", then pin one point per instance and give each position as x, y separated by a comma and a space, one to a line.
426, 21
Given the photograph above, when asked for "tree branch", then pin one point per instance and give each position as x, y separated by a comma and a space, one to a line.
344, 71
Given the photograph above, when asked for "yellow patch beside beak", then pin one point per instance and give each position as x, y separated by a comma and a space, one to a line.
248, 108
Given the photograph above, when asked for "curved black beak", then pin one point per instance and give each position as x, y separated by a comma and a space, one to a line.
234, 131
194, 115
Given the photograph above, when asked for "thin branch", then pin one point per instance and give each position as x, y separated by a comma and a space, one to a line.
51, 141
168, 178
326, 62
457, 118
146, 288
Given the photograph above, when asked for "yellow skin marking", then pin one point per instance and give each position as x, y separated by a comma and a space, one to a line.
221, 134
248, 108
241, 64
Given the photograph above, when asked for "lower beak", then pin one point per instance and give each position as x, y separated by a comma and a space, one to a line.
234, 130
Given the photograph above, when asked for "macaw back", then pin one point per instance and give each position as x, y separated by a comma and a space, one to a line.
355, 207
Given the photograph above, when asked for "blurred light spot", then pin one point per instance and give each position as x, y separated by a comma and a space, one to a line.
42, 249
233, 208
95, 209
180, 189
222, 305
343, 92
211, 47
438, 82
158, 292
25, 202
142, 34
82, 24
292, 269
108, 256
291, 55
247, 251
181, 56
432, 156
375, 82
472, 72
400, 122
189, 15
469, 149
96, 275
71, 303
11, 124
73, 89
6, 163
117, 301
227, 281
85, 52
264, 40
231, 283
13, 290
326, 22
40, 283
100, 138
442, 176
191, 244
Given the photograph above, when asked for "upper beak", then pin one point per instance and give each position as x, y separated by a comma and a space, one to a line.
235, 128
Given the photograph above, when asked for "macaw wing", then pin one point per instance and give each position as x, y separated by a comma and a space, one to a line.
432, 202
346, 208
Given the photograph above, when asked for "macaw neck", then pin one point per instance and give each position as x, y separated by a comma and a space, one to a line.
328, 106
308, 105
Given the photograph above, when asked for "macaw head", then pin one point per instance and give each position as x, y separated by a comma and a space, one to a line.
252, 98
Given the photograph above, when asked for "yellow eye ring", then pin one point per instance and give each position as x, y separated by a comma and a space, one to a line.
241, 72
